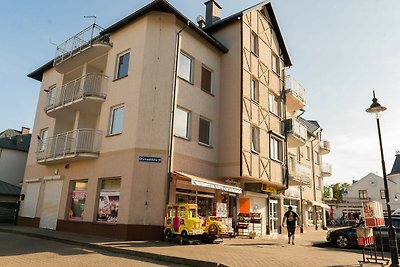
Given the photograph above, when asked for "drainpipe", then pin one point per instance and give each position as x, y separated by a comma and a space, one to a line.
314, 188
173, 107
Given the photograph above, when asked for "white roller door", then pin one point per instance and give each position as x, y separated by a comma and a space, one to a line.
28, 206
259, 205
51, 204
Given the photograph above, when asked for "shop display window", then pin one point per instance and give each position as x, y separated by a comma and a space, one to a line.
109, 200
77, 200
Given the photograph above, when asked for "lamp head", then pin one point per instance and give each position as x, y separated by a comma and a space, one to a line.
375, 107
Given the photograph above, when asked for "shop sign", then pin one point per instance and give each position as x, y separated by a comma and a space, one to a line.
217, 186
150, 159
373, 213
270, 189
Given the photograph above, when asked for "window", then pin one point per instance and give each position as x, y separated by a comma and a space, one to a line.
318, 183
182, 123
254, 43
206, 80
122, 66
275, 64
51, 95
362, 194
298, 154
276, 149
185, 67
204, 131
383, 194
275, 104
254, 90
316, 155
43, 139
77, 200
117, 115
255, 139
109, 200
308, 153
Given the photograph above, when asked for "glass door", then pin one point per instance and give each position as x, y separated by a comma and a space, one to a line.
273, 216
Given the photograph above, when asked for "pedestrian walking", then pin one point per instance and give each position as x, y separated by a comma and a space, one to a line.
290, 217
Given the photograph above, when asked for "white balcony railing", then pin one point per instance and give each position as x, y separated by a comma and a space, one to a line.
94, 85
326, 169
69, 144
325, 147
295, 127
300, 173
79, 42
292, 85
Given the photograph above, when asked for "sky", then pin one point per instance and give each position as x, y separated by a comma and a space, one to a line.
341, 50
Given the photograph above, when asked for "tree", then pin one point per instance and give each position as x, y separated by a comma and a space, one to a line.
338, 190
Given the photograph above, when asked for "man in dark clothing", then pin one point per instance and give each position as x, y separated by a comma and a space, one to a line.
290, 217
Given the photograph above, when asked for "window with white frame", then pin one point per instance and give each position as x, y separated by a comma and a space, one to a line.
43, 139
318, 182
116, 120
254, 90
275, 105
362, 194
185, 67
109, 200
308, 153
276, 148
51, 95
317, 157
122, 65
206, 80
275, 64
182, 122
383, 194
255, 139
205, 131
254, 43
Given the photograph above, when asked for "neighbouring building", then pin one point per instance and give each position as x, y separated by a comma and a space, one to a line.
156, 109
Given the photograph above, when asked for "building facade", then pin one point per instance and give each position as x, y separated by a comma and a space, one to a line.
154, 110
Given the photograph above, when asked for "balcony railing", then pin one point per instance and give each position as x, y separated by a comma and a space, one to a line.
90, 85
326, 169
79, 42
69, 145
295, 94
296, 131
299, 174
325, 147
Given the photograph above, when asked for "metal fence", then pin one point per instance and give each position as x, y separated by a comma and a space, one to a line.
9, 212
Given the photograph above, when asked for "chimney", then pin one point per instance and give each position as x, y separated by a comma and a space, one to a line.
25, 130
213, 12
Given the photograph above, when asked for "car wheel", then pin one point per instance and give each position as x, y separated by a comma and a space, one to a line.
342, 241
168, 233
213, 229
184, 234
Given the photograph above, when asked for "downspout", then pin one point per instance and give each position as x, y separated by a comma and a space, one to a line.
173, 107
313, 178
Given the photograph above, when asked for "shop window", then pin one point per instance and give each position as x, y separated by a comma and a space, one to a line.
77, 200
109, 200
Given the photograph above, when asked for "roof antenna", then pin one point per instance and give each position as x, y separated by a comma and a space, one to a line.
91, 17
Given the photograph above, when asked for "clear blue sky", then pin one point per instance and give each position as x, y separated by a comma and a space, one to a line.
341, 50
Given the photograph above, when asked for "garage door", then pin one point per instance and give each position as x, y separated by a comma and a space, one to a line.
28, 205
51, 204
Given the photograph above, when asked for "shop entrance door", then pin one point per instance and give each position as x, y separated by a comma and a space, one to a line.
273, 216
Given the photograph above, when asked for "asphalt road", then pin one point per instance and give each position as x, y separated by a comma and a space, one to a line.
18, 250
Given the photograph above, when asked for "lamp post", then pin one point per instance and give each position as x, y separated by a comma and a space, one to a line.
376, 109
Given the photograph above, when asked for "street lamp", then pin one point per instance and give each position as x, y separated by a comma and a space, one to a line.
376, 109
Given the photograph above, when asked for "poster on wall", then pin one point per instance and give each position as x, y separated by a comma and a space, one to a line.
108, 207
77, 204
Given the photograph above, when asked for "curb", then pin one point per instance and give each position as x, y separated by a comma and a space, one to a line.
148, 255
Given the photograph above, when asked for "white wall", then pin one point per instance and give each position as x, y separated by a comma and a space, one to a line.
12, 166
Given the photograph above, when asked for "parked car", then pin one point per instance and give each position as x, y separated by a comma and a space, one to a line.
345, 237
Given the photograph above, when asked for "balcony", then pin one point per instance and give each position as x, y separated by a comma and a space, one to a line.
80, 48
79, 144
299, 174
296, 133
85, 94
325, 147
295, 94
326, 170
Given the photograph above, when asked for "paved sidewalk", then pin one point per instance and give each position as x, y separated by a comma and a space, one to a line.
270, 251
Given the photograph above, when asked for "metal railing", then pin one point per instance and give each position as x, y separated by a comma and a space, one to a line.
326, 169
79, 42
292, 85
87, 85
295, 127
300, 172
69, 143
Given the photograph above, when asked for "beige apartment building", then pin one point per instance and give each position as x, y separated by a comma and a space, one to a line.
156, 109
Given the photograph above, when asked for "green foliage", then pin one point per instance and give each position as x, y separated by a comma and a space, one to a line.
338, 189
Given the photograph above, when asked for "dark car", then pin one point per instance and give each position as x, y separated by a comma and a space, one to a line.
346, 237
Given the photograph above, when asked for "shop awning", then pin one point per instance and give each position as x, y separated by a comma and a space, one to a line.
322, 205
209, 183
